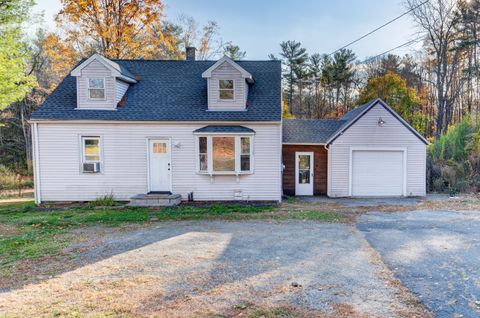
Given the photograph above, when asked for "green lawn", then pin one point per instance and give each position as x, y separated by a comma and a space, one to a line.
29, 232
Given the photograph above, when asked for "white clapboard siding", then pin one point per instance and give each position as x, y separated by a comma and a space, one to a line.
97, 70
120, 90
366, 133
124, 170
227, 72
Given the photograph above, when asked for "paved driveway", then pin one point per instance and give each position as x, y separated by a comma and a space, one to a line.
184, 269
436, 254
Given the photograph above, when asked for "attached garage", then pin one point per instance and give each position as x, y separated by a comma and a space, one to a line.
376, 153
378, 173
370, 151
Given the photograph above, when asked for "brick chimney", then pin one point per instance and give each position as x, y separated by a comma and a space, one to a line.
190, 53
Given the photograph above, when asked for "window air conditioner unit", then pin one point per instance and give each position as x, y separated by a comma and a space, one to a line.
91, 167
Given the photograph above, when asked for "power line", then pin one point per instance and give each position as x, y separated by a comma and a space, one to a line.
380, 27
395, 48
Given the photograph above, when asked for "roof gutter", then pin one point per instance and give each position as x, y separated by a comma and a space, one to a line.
168, 122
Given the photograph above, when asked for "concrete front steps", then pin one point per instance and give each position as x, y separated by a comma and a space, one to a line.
155, 199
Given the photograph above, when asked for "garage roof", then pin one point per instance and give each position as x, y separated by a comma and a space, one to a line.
309, 131
325, 131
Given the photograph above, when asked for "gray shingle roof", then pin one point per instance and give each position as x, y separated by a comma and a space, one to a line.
224, 129
352, 115
318, 131
315, 131
126, 72
321, 131
172, 91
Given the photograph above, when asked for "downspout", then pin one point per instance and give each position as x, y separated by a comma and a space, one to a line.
36, 164
328, 169
281, 161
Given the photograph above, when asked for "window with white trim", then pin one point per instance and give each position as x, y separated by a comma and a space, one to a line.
226, 89
203, 154
224, 154
96, 88
245, 153
91, 154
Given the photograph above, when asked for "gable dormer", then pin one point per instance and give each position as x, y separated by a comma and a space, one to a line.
101, 83
227, 86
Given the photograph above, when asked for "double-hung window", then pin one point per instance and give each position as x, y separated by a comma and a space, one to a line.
226, 89
96, 88
91, 154
225, 154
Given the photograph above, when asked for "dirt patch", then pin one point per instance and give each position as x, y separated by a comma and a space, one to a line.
350, 214
13, 195
7, 230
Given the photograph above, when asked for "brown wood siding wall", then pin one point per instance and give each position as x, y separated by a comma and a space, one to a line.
320, 168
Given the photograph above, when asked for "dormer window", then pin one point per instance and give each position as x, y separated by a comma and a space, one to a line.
96, 88
226, 89
228, 84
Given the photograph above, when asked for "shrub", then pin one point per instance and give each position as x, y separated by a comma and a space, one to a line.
106, 200
7, 179
454, 159
439, 185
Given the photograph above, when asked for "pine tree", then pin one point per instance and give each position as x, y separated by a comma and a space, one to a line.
234, 52
294, 60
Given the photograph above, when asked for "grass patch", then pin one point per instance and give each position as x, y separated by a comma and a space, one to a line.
323, 216
103, 201
39, 232
271, 313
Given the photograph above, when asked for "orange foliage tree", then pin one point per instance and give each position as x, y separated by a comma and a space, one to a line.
117, 28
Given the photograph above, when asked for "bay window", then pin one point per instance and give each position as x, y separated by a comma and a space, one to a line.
224, 154
203, 154
245, 153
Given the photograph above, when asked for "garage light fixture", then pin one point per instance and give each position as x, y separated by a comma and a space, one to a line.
381, 122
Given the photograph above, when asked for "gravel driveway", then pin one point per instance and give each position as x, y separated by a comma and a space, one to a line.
436, 254
183, 269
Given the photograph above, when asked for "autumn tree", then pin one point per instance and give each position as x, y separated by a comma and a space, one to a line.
436, 20
392, 88
116, 29
54, 58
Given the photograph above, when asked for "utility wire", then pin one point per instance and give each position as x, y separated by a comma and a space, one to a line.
380, 27
395, 48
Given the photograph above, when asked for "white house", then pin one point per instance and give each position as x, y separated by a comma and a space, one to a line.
207, 130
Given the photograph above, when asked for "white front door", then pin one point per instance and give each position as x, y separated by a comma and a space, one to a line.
160, 167
304, 173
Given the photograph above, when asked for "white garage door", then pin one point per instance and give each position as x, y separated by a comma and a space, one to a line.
377, 173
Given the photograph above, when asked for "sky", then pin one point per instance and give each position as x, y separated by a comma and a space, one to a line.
322, 26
